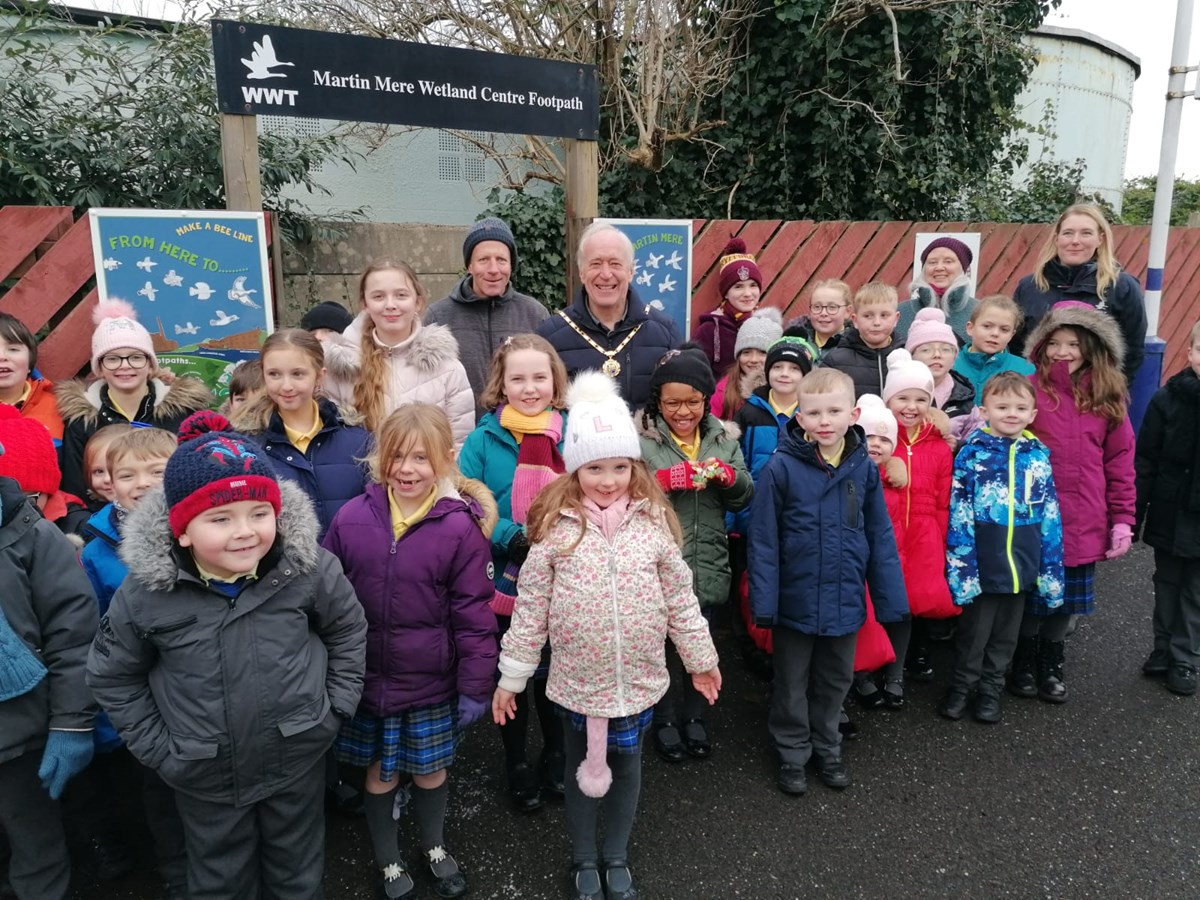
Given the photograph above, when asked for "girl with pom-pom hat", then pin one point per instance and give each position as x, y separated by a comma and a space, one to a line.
740, 282
606, 583
127, 389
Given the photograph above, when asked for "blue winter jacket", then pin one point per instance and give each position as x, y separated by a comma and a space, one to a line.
1005, 532
329, 471
762, 429
817, 534
489, 454
655, 336
102, 562
977, 368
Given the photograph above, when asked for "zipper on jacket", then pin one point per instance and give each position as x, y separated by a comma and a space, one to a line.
852, 507
1012, 487
170, 626
908, 487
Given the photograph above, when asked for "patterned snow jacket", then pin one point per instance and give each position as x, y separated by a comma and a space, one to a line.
1005, 529
607, 608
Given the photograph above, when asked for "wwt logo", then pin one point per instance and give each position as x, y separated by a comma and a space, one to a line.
259, 66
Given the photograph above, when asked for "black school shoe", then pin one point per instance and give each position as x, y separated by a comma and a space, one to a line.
954, 704
397, 882
1181, 679
695, 739
523, 788
668, 744
987, 706
585, 882
893, 694
847, 728
832, 771
1157, 664
866, 692
449, 880
618, 881
792, 780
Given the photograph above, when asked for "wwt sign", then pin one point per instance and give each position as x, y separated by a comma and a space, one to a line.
265, 69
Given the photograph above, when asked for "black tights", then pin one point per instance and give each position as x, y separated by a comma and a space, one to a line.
620, 803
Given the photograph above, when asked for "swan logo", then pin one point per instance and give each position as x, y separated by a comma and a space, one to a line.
260, 66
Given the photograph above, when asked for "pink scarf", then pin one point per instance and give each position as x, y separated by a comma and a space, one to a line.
607, 520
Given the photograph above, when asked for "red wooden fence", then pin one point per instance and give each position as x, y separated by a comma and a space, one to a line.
51, 256
795, 255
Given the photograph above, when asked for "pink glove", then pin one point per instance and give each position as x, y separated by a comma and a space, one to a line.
1119, 541
724, 474
680, 477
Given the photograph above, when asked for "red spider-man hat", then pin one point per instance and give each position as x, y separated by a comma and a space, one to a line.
213, 466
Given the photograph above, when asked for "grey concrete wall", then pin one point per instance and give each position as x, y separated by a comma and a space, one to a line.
330, 269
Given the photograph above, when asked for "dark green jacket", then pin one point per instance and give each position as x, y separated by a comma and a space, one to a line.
702, 513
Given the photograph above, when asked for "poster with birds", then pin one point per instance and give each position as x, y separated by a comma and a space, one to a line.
662, 266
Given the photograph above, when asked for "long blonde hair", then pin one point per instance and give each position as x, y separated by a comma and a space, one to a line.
1107, 269
369, 389
408, 426
566, 493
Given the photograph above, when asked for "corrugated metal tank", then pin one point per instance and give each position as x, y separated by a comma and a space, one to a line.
1088, 81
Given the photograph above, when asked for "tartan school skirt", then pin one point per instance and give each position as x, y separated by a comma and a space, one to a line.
1079, 593
417, 741
624, 733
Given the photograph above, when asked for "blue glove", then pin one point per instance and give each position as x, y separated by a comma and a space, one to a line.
67, 754
470, 710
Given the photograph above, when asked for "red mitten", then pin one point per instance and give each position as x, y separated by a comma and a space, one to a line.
680, 477
722, 472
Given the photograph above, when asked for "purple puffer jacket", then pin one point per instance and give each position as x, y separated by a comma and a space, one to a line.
430, 632
1092, 466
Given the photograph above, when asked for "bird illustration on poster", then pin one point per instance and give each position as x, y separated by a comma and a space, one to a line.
662, 265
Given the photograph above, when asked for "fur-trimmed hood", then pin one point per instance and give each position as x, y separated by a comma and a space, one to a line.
79, 399
152, 554
1077, 315
429, 349
256, 417
956, 296
477, 496
650, 429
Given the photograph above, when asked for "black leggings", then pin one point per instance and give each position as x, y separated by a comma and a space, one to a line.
514, 732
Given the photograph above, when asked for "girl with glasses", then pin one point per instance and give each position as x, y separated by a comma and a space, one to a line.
697, 461
828, 316
127, 388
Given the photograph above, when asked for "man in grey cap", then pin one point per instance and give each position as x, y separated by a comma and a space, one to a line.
483, 308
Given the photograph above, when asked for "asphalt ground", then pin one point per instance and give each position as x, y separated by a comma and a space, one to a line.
1099, 797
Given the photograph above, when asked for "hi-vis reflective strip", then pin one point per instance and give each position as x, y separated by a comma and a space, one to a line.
1012, 487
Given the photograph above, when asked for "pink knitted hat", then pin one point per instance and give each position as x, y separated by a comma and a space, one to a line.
876, 419
929, 327
904, 373
117, 328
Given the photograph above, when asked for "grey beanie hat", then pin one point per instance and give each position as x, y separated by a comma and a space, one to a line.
490, 229
759, 331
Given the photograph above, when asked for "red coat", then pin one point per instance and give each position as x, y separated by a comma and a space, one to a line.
925, 516
1092, 465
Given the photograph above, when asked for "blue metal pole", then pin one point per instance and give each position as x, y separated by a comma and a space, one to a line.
1149, 377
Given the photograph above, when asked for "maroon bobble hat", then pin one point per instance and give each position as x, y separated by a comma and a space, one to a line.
737, 265
955, 246
213, 466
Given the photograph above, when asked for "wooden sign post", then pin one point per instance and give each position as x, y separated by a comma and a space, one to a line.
239, 163
582, 201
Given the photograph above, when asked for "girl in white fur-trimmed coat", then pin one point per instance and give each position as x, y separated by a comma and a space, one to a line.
387, 358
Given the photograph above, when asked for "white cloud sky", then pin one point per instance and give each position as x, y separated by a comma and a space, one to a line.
1146, 33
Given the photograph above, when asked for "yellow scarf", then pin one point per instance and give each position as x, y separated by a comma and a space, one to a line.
520, 424
400, 522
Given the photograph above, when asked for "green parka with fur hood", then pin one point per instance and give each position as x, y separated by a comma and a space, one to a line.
702, 513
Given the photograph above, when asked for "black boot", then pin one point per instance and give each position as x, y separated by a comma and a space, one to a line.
1022, 678
1051, 686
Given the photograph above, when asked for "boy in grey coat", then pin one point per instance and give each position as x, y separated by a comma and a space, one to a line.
227, 661
47, 619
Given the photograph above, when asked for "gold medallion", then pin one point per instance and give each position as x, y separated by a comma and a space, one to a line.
611, 368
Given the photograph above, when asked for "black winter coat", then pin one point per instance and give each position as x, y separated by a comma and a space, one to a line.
1167, 463
1123, 301
639, 357
962, 396
866, 365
